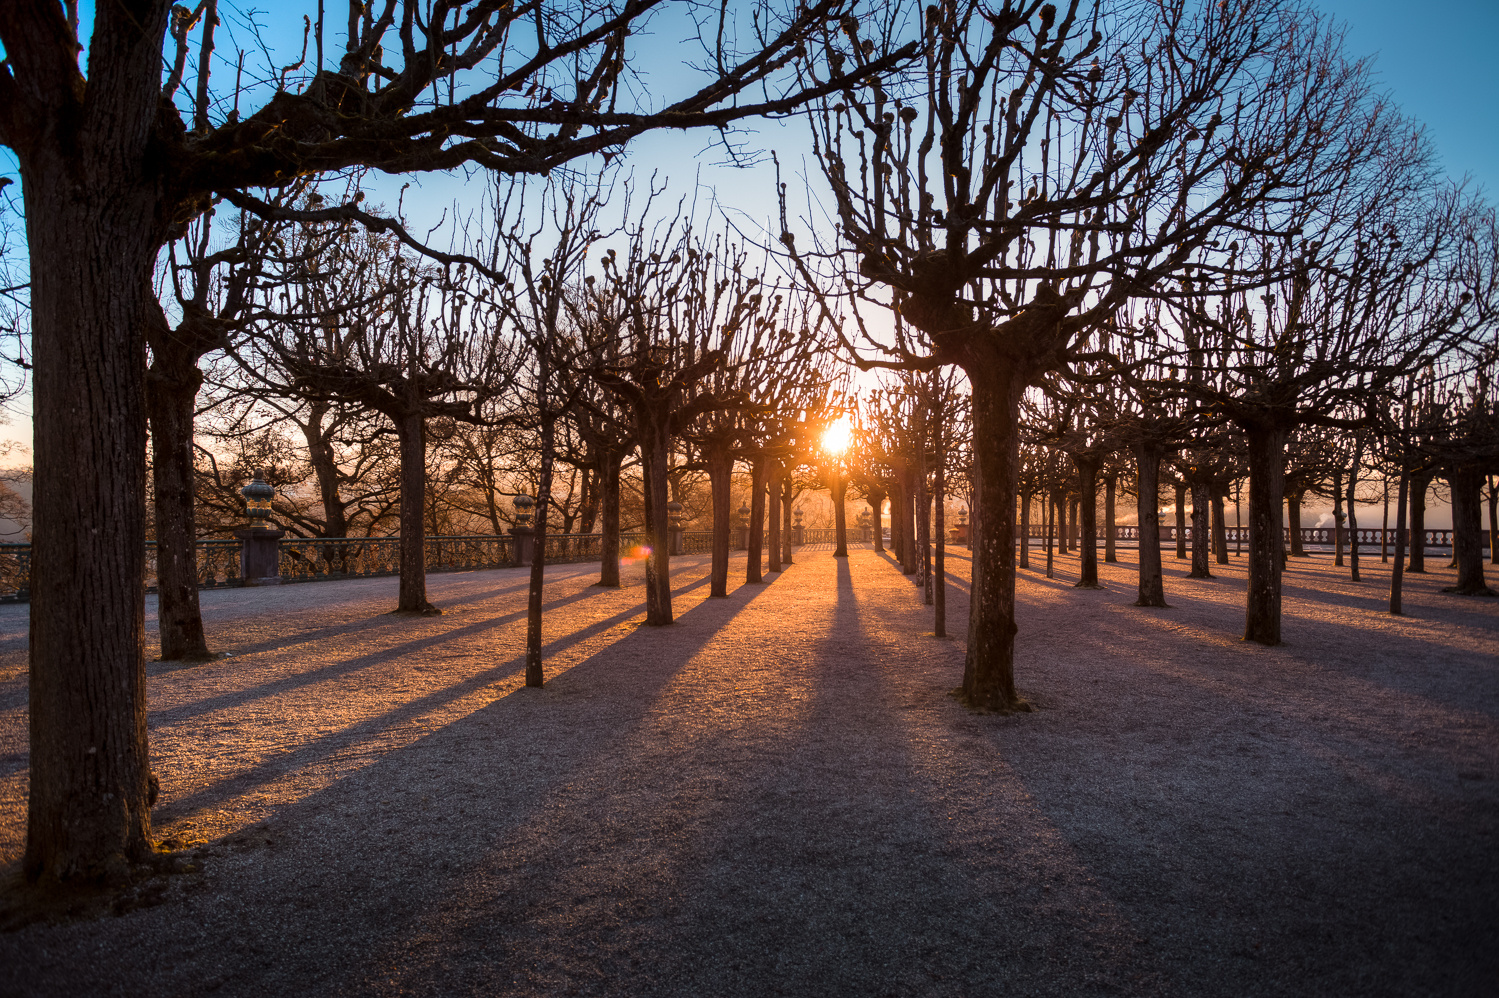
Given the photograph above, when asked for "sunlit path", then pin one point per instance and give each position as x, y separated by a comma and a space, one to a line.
777, 795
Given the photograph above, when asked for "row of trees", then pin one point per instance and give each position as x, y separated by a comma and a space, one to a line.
1168, 229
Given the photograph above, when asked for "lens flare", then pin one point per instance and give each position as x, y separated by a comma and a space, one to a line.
837, 437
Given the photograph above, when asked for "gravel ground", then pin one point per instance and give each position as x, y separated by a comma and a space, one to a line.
776, 795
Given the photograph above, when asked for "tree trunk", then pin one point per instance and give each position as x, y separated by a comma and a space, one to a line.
655, 450
840, 514
876, 505
774, 515
1201, 532
1220, 528
1358, 449
756, 548
1074, 531
89, 224
786, 535
1466, 482
1110, 529
1266, 479
1293, 511
534, 674
609, 462
1181, 520
1025, 530
1148, 507
172, 385
1051, 524
989, 668
1419, 482
1397, 572
411, 431
324, 463
720, 461
923, 536
1087, 476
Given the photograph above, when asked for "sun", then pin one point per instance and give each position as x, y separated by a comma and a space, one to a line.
837, 437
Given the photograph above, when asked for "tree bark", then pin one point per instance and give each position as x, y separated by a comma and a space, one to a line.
1025, 530
172, 385
1419, 482
1397, 572
786, 535
411, 432
1181, 520
534, 674
609, 462
1051, 525
1110, 529
1087, 475
840, 514
89, 227
1220, 528
989, 668
1201, 532
1493, 522
756, 548
325, 468
877, 507
655, 449
1148, 507
923, 536
773, 497
720, 461
1466, 482
1266, 479
1293, 510
1353, 511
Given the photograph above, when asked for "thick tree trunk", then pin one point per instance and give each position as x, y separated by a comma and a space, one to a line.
840, 515
172, 385
1110, 528
411, 432
1201, 532
89, 225
923, 537
1220, 528
720, 462
1148, 508
1419, 483
754, 571
1293, 511
773, 498
1266, 479
609, 463
655, 450
989, 669
1466, 482
1087, 476
1397, 572
534, 675
1025, 530
1074, 531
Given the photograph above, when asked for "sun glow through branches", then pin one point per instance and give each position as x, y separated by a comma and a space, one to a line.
838, 435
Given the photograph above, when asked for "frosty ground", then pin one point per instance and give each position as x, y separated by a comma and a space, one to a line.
778, 795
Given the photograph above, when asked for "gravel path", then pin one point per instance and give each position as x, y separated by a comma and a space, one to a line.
776, 795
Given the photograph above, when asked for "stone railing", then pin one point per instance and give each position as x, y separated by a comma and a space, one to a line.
312, 559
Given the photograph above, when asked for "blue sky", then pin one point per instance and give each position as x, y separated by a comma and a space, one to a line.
1436, 59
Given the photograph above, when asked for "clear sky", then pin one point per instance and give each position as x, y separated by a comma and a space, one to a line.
1437, 60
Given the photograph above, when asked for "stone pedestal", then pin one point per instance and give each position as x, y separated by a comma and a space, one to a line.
866, 534
522, 546
741, 539
260, 556
675, 545
798, 535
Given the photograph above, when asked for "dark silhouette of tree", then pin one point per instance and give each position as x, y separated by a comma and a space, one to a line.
1048, 165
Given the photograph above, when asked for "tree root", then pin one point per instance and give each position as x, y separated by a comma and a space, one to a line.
425, 610
1470, 591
